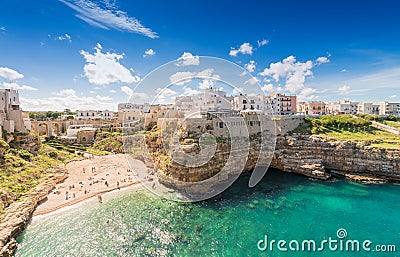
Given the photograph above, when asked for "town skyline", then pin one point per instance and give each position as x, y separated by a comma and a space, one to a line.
93, 54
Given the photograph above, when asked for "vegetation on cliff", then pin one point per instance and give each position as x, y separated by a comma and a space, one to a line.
350, 128
22, 170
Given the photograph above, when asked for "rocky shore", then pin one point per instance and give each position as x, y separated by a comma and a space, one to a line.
18, 214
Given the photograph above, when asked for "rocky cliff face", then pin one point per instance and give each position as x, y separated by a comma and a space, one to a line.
17, 215
25, 141
340, 157
314, 157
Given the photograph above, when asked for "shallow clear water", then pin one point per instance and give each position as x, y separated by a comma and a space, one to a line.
283, 206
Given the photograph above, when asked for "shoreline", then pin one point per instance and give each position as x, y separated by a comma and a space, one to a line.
89, 178
76, 201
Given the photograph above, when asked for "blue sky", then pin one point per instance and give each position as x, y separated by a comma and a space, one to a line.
92, 54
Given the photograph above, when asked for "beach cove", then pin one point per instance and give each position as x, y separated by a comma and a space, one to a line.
283, 206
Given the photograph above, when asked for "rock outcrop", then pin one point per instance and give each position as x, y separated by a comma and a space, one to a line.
312, 156
338, 157
18, 214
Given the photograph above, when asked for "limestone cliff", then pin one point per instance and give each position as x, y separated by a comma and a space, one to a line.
312, 156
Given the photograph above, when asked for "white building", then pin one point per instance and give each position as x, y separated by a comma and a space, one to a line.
342, 107
129, 113
386, 108
211, 100
11, 117
94, 115
365, 108
144, 108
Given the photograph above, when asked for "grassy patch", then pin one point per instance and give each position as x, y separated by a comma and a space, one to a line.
394, 124
347, 128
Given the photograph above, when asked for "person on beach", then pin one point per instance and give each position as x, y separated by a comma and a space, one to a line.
118, 185
99, 198
106, 183
66, 195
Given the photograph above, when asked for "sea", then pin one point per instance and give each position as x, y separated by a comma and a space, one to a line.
284, 215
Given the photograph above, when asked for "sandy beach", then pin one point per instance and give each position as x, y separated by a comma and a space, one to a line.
88, 178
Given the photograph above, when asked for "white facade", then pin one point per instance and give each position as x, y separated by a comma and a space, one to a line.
145, 108
94, 115
343, 107
211, 100
385, 108
11, 118
364, 108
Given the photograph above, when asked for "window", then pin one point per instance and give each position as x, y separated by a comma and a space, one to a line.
244, 101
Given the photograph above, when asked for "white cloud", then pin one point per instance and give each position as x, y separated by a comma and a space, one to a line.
252, 81
307, 94
66, 37
392, 96
18, 86
183, 77
251, 66
188, 59
292, 71
132, 94
104, 68
68, 99
343, 70
268, 88
112, 91
107, 17
2, 28
262, 42
343, 90
206, 83
245, 48
10, 74
149, 52
322, 59
190, 91
165, 95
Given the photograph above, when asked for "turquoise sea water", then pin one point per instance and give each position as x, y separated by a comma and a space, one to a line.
283, 206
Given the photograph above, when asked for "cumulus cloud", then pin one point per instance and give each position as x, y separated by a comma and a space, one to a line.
245, 48
268, 88
343, 90
112, 91
67, 99
105, 15
104, 68
261, 43
17, 86
206, 83
343, 70
149, 52
188, 59
183, 77
189, 91
292, 71
252, 81
251, 66
132, 94
2, 28
307, 94
322, 59
10, 74
65, 37
392, 96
